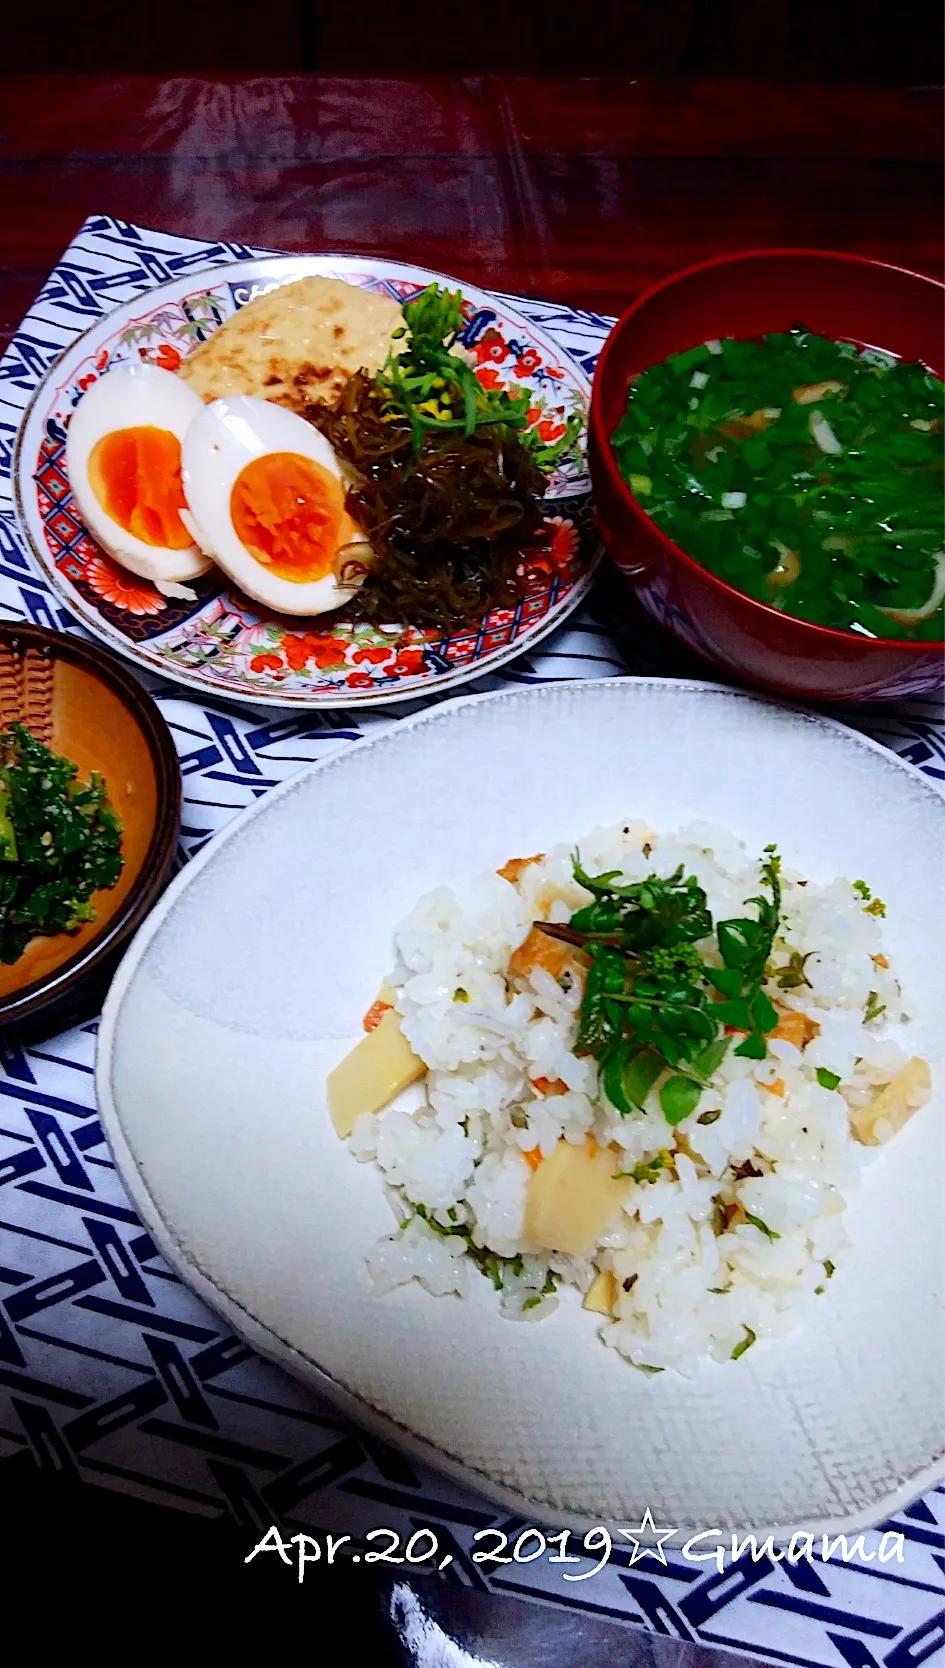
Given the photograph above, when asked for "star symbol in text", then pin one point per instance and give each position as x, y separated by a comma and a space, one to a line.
660, 1535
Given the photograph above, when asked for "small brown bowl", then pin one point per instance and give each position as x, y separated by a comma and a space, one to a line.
79, 700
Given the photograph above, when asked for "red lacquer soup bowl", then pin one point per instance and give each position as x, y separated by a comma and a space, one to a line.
841, 296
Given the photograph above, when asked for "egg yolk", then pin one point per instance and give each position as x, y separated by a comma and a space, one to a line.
135, 475
289, 513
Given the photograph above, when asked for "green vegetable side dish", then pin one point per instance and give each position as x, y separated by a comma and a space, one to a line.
656, 1005
804, 472
60, 841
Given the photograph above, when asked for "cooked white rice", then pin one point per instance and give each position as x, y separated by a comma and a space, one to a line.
685, 1290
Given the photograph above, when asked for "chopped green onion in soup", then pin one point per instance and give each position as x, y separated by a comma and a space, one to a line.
802, 471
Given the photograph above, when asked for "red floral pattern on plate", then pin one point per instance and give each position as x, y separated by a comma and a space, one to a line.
219, 639
122, 589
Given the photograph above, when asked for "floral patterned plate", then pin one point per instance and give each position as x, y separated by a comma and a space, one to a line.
221, 643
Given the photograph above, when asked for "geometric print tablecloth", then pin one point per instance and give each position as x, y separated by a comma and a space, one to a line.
112, 1371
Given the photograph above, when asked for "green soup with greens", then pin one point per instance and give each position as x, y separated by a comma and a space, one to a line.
805, 472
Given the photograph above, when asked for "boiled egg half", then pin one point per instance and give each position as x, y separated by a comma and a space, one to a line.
123, 456
266, 499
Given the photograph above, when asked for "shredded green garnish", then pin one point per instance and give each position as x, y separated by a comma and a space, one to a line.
649, 1168
874, 1007
60, 842
827, 1079
793, 975
435, 387
489, 1263
746, 1343
829, 1270
763, 1228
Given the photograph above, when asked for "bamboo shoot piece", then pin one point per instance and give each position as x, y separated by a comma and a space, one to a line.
377, 1068
571, 1198
601, 1294
883, 1116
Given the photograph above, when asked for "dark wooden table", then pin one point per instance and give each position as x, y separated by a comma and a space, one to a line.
585, 190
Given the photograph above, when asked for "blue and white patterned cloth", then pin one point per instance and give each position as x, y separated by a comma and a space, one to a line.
112, 1371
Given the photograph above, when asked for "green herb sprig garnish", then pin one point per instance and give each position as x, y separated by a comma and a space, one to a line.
60, 842
652, 1002
745, 947
432, 384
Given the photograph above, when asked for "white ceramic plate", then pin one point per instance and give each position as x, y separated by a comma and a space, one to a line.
220, 643
249, 982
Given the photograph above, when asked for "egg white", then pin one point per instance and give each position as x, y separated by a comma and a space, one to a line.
228, 435
135, 395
